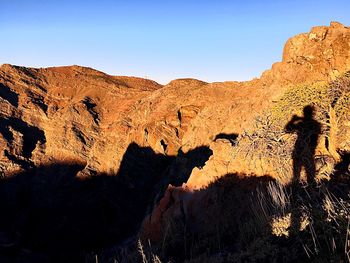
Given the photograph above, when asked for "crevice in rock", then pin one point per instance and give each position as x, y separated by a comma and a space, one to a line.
25, 164
79, 134
31, 134
37, 100
8, 95
179, 116
145, 135
90, 106
177, 132
164, 145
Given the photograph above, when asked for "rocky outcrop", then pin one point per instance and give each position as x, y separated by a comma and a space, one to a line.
83, 115
66, 113
322, 54
80, 113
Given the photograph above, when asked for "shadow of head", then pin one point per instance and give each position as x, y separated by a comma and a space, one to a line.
142, 168
180, 170
50, 210
309, 112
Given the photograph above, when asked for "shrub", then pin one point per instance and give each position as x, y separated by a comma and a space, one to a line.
271, 145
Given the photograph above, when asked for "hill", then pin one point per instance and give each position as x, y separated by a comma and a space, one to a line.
78, 115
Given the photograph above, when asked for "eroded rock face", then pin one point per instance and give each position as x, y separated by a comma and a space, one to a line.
83, 114
80, 114
66, 113
321, 54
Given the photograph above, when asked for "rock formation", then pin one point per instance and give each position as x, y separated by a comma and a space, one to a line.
321, 54
83, 115
79, 113
66, 113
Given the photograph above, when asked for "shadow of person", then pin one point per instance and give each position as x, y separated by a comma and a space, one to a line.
51, 213
308, 131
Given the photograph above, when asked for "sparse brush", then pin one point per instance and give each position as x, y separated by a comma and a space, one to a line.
269, 147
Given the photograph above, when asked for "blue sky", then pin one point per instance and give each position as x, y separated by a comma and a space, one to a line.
162, 40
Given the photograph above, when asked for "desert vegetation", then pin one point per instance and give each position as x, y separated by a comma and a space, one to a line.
271, 143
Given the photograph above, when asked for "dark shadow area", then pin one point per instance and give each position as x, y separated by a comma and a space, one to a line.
210, 221
90, 106
23, 163
244, 218
50, 215
343, 167
164, 145
37, 100
31, 135
308, 131
232, 137
8, 95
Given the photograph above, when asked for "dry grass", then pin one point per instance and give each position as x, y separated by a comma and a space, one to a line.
257, 220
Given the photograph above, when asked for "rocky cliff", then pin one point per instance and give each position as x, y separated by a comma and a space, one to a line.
78, 114
66, 113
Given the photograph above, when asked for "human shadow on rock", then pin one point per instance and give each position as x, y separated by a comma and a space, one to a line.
308, 130
58, 216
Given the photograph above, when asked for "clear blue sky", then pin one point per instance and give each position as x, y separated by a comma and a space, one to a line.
163, 40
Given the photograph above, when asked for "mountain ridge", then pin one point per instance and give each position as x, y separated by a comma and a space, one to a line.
78, 115
91, 102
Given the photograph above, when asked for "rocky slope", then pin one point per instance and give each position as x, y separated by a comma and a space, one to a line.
79, 114
66, 113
